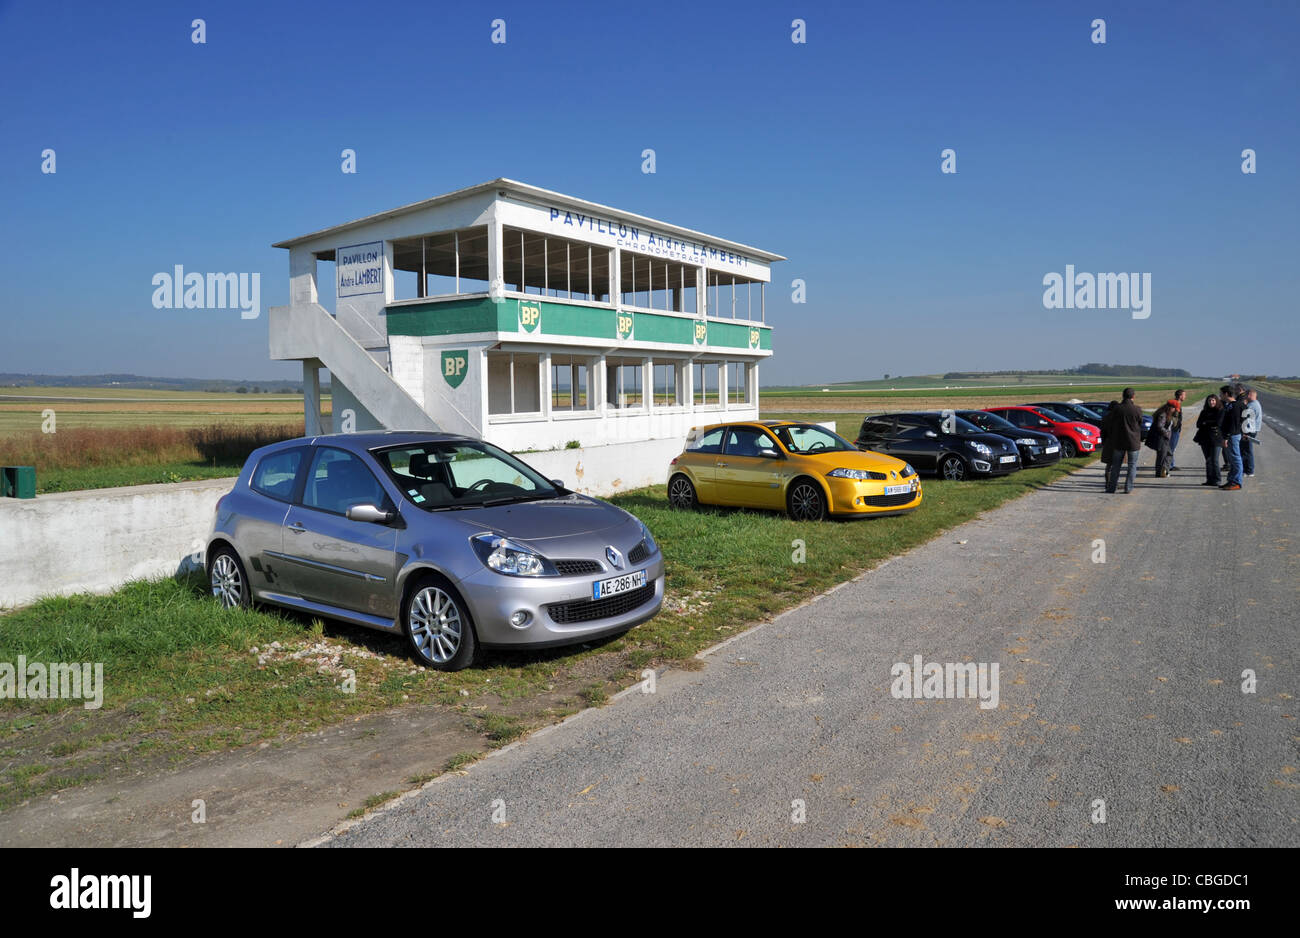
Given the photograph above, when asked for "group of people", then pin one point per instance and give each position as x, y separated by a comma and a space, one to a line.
1227, 430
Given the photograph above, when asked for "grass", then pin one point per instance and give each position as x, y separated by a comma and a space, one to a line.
181, 679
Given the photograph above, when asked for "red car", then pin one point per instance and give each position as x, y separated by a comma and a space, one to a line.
1076, 437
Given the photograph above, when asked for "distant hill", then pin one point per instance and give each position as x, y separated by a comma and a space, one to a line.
137, 382
1092, 369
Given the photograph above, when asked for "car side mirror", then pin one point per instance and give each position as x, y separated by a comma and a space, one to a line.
558, 483
370, 514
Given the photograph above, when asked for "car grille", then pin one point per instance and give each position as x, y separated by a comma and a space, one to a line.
639, 554
586, 610
889, 501
576, 567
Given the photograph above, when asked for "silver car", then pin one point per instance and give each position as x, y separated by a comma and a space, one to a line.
444, 538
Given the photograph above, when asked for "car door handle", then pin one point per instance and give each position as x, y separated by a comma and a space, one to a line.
720, 465
297, 527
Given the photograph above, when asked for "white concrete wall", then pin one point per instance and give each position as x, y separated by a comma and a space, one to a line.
94, 541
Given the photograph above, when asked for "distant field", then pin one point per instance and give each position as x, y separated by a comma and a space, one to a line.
21, 409
781, 404
940, 383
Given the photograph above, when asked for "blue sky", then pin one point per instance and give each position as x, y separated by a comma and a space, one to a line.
1115, 157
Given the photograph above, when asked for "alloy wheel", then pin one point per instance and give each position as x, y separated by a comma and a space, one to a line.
436, 625
681, 494
806, 502
954, 470
227, 584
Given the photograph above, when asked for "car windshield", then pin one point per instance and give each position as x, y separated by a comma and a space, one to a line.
963, 427
1079, 412
990, 421
801, 438
450, 474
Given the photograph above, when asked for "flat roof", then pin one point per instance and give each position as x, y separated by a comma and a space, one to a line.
513, 187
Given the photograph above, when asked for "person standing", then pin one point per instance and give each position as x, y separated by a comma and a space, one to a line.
1223, 450
1176, 429
1252, 422
1108, 440
1209, 438
1158, 437
1126, 430
1231, 428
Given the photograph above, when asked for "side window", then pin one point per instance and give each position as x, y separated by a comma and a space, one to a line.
338, 480
1019, 417
915, 431
710, 442
877, 427
745, 441
275, 474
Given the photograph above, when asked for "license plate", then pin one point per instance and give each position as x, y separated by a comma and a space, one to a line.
1052, 449
897, 489
1007, 459
617, 584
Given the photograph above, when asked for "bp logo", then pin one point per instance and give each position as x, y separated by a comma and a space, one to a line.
454, 366
701, 332
530, 316
753, 338
624, 326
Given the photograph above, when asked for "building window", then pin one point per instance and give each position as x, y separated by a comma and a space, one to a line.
738, 383
653, 283
623, 379
514, 383
706, 383
734, 296
443, 263
570, 384
667, 385
554, 267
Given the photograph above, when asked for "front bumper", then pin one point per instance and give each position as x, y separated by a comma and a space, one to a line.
866, 497
494, 598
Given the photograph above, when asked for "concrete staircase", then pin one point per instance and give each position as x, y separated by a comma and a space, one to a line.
308, 332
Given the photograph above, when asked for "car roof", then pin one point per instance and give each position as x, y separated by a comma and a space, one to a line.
374, 439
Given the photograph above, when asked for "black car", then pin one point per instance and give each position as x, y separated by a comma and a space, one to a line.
948, 446
1079, 412
1100, 407
1036, 448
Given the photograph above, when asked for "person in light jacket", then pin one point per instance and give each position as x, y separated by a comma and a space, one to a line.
1251, 423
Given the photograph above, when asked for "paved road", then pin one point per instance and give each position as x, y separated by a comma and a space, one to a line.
1118, 681
1283, 415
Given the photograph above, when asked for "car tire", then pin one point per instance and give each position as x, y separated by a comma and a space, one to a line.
805, 501
437, 625
228, 580
1068, 449
953, 469
681, 493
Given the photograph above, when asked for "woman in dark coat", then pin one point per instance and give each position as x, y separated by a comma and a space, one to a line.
1108, 433
1158, 438
1207, 434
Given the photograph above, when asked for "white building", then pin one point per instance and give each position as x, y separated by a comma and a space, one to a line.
528, 318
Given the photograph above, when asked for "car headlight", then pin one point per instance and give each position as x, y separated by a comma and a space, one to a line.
1026, 441
862, 475
980, 448
1084, 431
908, 470
505, 556
647, 537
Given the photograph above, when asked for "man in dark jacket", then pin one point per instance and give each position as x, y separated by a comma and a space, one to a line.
1126, 427
1230, 427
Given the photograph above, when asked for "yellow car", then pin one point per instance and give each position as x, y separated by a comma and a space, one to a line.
800, 468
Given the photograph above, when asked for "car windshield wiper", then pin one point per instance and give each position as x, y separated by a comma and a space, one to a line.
509, 499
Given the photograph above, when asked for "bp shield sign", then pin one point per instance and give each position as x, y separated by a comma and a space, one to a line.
454, 366
624, 326
530, 316
753, 338
701, 331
